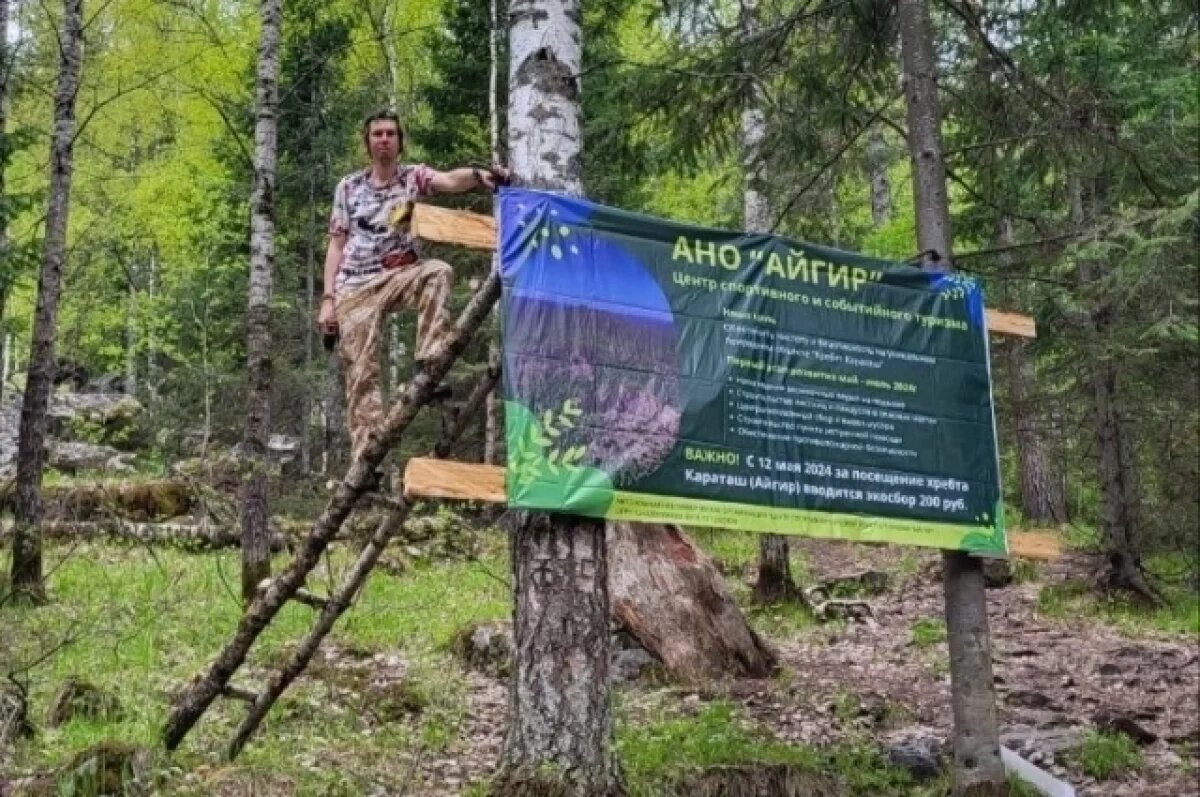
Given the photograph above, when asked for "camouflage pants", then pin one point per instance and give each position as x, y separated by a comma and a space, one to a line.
425, 285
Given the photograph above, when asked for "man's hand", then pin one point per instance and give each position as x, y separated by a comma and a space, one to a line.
494, 177
327, 318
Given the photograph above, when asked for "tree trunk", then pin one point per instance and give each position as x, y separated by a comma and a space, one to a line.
1118, 470
560, 725
493, 424
881, 187
256, 548
977, 766
670, 596
131, 333
27, 582
774, 561
310, 287
5, 72
1042, 498
560, 732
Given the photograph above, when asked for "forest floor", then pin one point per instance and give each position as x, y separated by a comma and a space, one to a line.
388, 710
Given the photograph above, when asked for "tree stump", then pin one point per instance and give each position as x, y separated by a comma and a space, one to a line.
669, 595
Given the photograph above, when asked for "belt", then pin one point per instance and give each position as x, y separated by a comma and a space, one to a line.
399, 260
388, 262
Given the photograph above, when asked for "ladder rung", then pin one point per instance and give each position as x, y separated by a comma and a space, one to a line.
238, 693
309, 599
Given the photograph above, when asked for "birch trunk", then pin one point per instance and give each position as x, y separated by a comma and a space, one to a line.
310, 287
774, 582
881, 186
256, 547
27, 582
560, 731
131, 333
5, 72
978, 770
494, 412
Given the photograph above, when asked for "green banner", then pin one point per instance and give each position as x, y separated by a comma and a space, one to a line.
664, 372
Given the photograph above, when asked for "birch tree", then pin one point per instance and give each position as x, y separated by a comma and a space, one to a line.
978, 770
27, 581
256, 544
560, 728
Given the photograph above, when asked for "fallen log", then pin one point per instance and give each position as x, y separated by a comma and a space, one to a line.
187, 536
140, 501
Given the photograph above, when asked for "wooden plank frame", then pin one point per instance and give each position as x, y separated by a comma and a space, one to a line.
436, 478
425, 477
444, 225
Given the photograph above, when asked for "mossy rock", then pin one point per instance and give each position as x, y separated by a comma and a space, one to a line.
78, 698
392, 701
108, 768
485, 647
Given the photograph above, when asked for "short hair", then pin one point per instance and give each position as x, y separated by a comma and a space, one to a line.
382, 115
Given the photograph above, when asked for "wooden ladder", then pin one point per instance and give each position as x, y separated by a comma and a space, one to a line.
215, 681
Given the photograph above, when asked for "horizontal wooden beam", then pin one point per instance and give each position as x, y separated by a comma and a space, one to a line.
425, 477
444, 225
1002, 322
1044, 545
472, 481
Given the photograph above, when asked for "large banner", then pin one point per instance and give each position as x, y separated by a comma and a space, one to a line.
664, 372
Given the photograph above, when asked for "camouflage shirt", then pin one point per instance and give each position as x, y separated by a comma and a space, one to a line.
363, 213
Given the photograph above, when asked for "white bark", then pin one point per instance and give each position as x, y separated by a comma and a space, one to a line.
256, 549
544, 125
560, 723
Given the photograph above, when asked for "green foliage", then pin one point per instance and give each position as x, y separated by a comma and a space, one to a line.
657, 756
1107, 755
1019, 788
928, 632
665, 750
1077, 598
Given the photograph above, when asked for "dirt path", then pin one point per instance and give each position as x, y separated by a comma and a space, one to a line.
1056, 679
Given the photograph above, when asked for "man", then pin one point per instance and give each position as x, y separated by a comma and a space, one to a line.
373, 266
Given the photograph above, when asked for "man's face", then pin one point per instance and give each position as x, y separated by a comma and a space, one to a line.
383, 140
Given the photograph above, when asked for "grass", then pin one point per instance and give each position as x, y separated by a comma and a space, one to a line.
1076, 598
659, 755
1107, 755
928, 632
139, 623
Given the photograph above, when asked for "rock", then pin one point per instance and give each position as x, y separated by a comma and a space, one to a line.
486, 648
1123, 723
630, 665
108, 768
74, 457
997, 573
283, 448
108, 418
14, 714
78, 698
1028, 698
1024, 738
920, 755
